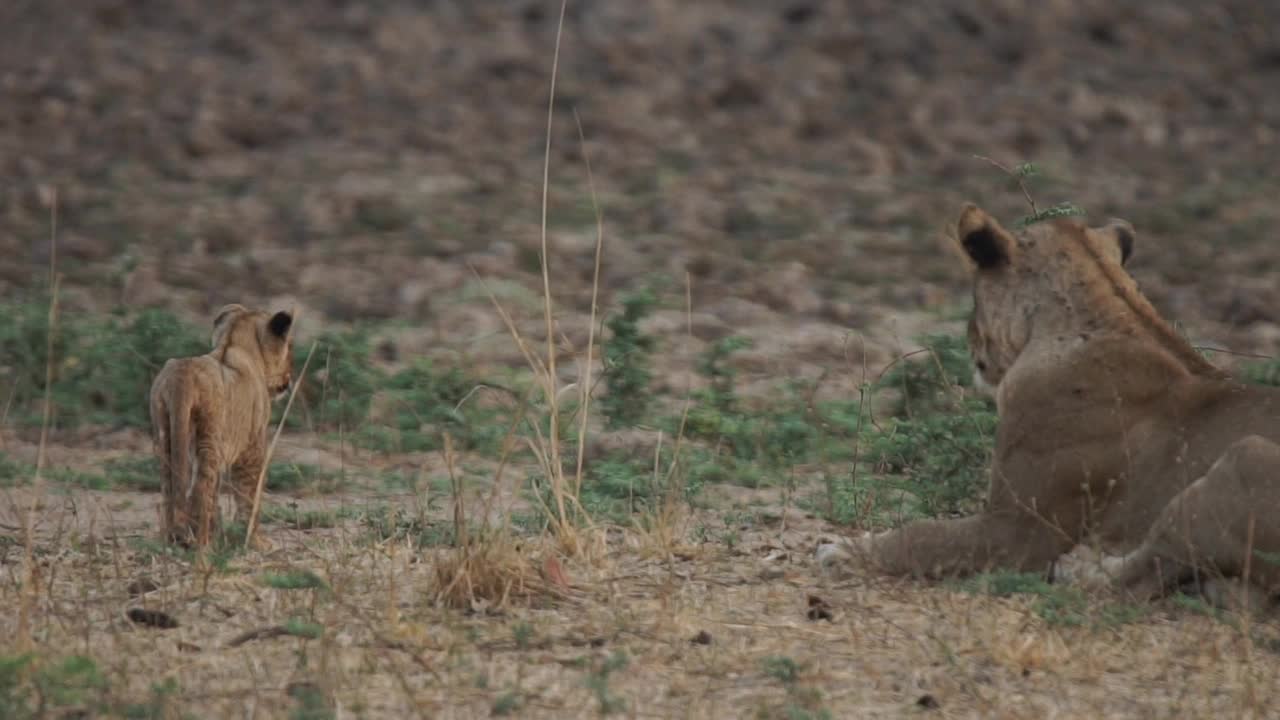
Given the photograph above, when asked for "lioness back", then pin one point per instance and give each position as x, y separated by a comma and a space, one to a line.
209, 415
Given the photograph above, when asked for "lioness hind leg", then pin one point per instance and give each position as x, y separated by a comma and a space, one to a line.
1219, 526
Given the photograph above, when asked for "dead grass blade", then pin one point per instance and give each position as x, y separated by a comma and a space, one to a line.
266, 463
31, 578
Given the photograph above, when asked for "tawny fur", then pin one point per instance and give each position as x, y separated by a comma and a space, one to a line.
209, 415
1110, 423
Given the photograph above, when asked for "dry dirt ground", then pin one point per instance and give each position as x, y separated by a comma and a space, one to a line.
795, 163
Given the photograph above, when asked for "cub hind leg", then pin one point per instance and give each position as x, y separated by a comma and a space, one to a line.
1221, 525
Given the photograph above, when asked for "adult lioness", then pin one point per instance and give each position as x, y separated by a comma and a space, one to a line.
210, 414
1110, 423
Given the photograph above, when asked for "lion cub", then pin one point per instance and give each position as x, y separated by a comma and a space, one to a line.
209, 414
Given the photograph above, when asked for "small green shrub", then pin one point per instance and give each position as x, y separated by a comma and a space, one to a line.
102, 369
941, 458
627, 363
340, 393
928, 381
302, 478
14, 473
1059, 605
305, 629
386, 524
598, 682
1266, 372
295, 580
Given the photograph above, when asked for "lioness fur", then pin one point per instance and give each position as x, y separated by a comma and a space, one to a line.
1113, 429
209, 414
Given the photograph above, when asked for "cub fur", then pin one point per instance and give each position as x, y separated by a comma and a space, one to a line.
209, 414
1113, 428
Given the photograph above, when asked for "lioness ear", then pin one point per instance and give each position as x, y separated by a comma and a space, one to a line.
280, 323
983, 239
1121, 235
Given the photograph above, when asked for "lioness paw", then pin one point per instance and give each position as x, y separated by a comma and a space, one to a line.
841, 555
829, 554
1086, 567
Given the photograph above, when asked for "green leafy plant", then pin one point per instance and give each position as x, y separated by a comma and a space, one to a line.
102, 368
295, 580
598, 682
627, 362
1059, 605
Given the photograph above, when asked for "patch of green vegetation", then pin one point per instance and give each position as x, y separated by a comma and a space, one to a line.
393, 524
311, 703
101, 368
295, 580
507, 703
803, 702
302, 478
341, 390
227, 544
781, 668
522, 633
1059, 605
292, 517
931, 456
928, 380
754, 443
415, 405
305, 629
14, 473
598, 682
161, 705
31, 687
627, 363
942, 458
1266, 372
1061, 210
140, 473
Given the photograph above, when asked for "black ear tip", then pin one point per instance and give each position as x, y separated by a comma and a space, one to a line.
984, 246
1125, 236
280, 323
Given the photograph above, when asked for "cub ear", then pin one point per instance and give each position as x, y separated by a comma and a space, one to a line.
1120, 238
280, 323
983, 239
221, 321
226, 312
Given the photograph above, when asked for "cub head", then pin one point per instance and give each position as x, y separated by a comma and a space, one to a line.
266, 338
1040, 278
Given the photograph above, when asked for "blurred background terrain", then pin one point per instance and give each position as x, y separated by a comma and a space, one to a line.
801, 160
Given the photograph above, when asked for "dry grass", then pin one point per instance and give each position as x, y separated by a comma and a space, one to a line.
703, 632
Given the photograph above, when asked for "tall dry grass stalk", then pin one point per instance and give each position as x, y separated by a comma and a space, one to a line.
252, 524
565, 513
489, 566
31, 574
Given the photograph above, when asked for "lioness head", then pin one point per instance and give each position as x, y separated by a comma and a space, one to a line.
266, 337
1053, 276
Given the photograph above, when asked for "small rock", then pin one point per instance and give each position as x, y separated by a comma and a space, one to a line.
152, 618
